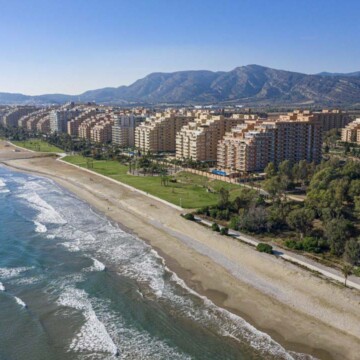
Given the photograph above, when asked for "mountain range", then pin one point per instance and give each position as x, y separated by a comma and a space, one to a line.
250, 85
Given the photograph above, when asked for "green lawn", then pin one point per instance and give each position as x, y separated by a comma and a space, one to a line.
38, 145
189, 193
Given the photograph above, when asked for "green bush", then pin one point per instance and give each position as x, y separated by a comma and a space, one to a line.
224, 231
266, 248
234, 223
356, 271
215, 227
189, 216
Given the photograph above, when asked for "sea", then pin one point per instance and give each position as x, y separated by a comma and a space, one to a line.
75, 285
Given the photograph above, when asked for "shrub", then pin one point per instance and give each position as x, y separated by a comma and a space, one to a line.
224, 231
213, 213
189, 216
266, 248
356, 271
215, 227
234, 223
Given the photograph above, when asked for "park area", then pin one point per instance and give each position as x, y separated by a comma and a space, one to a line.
183, 189
38, 145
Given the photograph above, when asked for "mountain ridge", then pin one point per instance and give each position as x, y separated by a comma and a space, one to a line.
246, 85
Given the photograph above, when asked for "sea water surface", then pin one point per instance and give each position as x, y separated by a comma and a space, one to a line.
74, 285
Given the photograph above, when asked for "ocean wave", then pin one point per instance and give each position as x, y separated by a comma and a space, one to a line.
70, 246
46, 213
2, 287
39, 227
20, 302
2, 182
8, 273
93, 336
97, 266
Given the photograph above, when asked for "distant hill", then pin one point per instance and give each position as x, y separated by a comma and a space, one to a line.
247, 85
356, 73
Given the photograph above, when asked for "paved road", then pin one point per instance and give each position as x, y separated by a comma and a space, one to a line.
353, 281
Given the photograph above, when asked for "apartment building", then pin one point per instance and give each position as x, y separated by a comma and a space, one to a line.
97, 128
250, 147
102, 132
12, 116
74, 124
328, 119
351, 133
158, 134
60, 118
123, 131
198, 140
43, 124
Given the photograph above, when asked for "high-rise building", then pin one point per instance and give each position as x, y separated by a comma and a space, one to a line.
11, 117
351, 133
198, 140
250, 147
123, 131
60, 118
158, 134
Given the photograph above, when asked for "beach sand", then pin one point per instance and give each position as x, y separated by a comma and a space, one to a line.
300, 310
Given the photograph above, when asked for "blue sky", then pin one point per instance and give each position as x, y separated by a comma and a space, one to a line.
65, 46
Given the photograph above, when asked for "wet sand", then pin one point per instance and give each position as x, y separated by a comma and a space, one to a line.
300, 310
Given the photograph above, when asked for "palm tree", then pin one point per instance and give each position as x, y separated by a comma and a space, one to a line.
346, 270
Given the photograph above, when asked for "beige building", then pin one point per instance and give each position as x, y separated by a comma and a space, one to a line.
250, 147
102, 132
123, 131
11, 117
158, 134
351, 133
199, 139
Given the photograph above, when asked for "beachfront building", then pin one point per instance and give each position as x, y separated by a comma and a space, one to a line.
74, 124
198, 140
12, 116
123, 131
351, 133
60, 118
250, 147
43, 124
102, 132
97, 128
158, 134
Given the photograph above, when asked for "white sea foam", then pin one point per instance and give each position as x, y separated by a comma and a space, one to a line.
2, 287
39, 227
3, 188
2, 182
97, 266
71, 247
46, 213
4, 191
8, 273
20, 302
50, 236
93, 336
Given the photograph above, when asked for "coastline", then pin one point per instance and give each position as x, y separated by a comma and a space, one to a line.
302, 312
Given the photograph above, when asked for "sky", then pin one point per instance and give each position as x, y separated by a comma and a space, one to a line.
70, 46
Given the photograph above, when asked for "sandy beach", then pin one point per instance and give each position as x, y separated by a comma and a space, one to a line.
300, 310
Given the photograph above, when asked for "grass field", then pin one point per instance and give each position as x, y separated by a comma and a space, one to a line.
38, 145
189, 192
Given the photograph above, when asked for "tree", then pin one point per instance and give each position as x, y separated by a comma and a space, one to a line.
346, 271
352, 252
223, 197
270, 170
337, 231
215, 227
301, 220
285, 169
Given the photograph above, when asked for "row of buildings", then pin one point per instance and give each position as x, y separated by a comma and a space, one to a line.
351, 132
235, 142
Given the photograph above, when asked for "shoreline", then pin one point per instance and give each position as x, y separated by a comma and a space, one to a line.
276, 314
